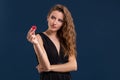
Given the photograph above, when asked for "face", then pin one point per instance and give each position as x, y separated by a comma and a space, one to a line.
55, 20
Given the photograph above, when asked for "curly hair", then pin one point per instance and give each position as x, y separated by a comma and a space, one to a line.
66, 33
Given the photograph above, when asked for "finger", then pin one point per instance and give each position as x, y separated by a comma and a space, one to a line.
28, 35
31, 38
32, 30
31, 33
37, 66
41, 70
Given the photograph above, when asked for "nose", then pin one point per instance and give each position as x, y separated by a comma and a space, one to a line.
55, 22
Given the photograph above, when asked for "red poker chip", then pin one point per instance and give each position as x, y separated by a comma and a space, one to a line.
34, 27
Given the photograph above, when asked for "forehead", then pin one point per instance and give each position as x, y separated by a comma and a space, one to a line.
57, 14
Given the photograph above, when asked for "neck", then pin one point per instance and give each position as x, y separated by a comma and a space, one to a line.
51, 33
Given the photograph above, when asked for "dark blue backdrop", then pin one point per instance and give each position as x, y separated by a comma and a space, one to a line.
97, 25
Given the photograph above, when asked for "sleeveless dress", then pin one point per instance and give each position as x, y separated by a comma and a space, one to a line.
54, 58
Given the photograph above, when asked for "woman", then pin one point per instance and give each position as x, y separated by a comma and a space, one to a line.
56, 47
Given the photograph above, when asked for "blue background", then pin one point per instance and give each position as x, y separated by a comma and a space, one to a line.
98, 44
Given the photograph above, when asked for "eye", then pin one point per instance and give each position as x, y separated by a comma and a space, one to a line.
52, 17
60, 20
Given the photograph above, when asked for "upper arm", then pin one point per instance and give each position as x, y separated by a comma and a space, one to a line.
72, 60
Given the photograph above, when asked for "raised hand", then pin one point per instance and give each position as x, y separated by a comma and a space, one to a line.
31, 37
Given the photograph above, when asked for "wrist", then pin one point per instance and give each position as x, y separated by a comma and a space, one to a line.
36, 44
48, 69
51, 68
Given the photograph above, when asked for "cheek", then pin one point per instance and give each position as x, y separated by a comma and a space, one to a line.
49, 22
61, 24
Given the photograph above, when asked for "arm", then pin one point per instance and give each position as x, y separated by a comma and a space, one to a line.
41, 54
38, 47
71, 65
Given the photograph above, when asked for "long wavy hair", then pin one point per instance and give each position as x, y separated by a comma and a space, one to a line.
66, 33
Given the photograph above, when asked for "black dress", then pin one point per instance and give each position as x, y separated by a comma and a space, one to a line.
54, 58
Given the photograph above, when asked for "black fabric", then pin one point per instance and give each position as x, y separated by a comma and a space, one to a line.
54, 58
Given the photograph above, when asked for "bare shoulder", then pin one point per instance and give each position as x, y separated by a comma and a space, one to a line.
39, 38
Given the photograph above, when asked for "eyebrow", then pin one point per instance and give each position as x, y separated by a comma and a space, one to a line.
55, 17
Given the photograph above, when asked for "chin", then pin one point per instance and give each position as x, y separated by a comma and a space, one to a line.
54, 30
